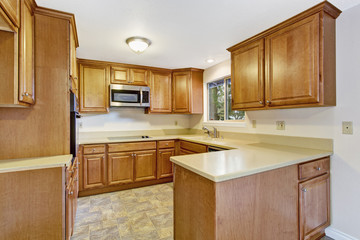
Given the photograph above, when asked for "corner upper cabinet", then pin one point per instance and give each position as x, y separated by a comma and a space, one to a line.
94, 92
160, 92
12, 9
247, 72
187, 87
74, 76
299, 65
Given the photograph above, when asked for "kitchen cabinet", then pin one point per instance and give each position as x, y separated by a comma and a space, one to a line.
187, 87
120, 168
191, 148
94, 87
12, 9
94, 172
125, 75
165, 167
17, 59
314, 198
74, 77
71, 194
290, 65
144, 165
160, 92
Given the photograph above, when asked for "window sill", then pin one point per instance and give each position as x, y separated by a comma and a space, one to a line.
225, 124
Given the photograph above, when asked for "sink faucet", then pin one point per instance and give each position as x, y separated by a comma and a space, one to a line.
209, 133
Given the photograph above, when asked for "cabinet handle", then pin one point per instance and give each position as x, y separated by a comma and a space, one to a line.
318, 168
304, 190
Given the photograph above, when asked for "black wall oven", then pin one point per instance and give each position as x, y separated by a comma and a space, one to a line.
74, 125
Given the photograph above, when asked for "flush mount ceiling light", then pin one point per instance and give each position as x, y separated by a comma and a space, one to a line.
210, 60
138, 44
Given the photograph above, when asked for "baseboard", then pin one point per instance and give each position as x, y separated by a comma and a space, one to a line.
337, 235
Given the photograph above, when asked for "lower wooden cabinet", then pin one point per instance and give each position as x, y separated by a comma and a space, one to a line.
71, 195
165, 166
94, 171
192, 148
120, 168
314, 207
145, 165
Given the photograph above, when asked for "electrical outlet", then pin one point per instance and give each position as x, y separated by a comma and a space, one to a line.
80, 124
176, 123
347, 127
253, 123
280, 125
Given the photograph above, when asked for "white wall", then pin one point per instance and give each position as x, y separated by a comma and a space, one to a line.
325, 123
128, 119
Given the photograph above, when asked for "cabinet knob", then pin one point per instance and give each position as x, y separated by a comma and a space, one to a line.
71, 193
93, 149
25, 94
268, 101
71, 172
166, 144
304, 190
260, 102
318, 168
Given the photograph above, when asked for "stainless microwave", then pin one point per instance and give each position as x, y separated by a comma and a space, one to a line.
129, 96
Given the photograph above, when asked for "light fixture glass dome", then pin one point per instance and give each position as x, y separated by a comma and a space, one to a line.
138, 44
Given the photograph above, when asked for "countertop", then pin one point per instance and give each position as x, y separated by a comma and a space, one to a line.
22, 164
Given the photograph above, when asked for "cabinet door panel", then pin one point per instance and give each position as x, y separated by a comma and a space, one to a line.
248, 76
181, 85
94, 88
165, 166
26, 56
138, 76
314, 206
120, 75
94, 171
160, 92
292, 69
145, 165
120, 168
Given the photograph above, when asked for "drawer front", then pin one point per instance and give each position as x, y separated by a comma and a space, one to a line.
194, 147
314, 168
186, 152
133, 146
166, 144
94, 149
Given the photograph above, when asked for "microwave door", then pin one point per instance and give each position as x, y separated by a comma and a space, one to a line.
123, 98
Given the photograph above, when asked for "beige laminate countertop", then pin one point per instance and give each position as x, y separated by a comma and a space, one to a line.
245, 158
23, 164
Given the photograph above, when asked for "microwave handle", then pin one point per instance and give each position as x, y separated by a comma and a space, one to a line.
141, 97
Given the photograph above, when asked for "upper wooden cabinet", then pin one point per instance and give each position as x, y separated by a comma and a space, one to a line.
17, 57
290, 65
12, 9
133, 76
160, 92
188, 91
74, 76
94, 84
26, 54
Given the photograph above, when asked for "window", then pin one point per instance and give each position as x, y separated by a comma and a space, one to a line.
219, 99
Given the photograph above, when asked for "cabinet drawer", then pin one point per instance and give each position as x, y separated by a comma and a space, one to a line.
93, 149
166, 144
194, 147
186, 152
133, 146
315, 168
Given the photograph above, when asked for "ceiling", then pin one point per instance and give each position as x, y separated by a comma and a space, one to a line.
184, 33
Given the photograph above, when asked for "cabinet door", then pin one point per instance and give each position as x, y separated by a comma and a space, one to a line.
69, 215
160, 92
120, 75
94, 84
120, 168
314, 206
94, 171
73, 63
26, 55
164, 166
292, 64
138, 76
12, 9
145, 165
181, 92
247, 72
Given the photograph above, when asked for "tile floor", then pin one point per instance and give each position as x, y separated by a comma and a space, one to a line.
138, 214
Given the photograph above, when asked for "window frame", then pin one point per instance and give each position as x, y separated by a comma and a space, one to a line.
224, 122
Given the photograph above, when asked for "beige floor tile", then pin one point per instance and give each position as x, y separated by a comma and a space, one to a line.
167, 232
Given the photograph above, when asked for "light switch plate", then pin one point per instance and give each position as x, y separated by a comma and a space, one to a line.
280, 125
347, 127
